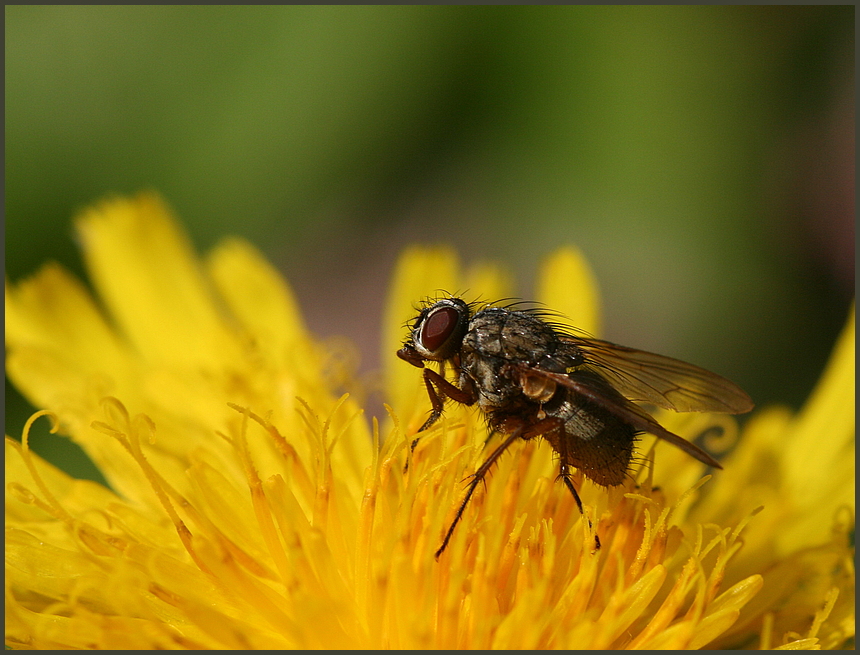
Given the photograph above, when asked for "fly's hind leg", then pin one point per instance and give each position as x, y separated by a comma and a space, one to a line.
565, 476
477, 478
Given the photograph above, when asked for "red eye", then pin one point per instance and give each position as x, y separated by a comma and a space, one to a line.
438, 328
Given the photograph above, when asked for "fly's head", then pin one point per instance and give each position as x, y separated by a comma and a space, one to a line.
437, 332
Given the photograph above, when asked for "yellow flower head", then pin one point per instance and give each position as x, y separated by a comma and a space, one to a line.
251, 505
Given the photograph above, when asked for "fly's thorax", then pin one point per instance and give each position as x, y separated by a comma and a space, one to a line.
497, 338
489, 376
516, 336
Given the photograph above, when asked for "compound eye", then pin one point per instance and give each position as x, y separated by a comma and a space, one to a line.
439, 327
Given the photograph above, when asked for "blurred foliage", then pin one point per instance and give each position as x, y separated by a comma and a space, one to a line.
702, 156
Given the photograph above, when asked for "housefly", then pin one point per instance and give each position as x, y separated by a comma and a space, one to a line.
532, 377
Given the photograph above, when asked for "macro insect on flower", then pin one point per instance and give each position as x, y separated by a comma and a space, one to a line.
250, 507
532, 377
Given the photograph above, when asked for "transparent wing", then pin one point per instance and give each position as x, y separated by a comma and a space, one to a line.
620, 407
670, 383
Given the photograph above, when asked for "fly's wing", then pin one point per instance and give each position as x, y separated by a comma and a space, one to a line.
620, 407
670, 383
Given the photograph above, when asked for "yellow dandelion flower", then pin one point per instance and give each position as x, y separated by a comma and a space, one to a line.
252, 506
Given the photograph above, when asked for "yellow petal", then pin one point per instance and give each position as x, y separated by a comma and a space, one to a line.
259, 297
145, 270
567, 285
819, 454
59, 348
487, 282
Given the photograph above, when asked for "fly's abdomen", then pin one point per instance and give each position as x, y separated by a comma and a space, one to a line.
599, 444
593, 440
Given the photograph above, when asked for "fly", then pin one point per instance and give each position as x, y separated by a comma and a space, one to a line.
531, 377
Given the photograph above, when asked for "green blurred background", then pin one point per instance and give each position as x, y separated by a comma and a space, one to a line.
701, 157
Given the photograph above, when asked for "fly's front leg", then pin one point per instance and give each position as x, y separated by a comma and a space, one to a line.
438, 388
